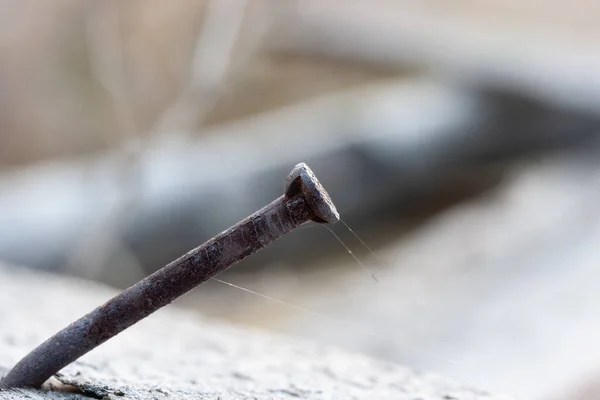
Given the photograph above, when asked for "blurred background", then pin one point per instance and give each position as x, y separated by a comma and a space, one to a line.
458, 139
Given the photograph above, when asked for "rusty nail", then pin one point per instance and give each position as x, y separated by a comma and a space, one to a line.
304, 199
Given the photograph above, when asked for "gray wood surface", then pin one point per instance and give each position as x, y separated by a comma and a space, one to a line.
179, 355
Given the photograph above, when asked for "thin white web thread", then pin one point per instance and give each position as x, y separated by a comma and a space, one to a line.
360, 263
363, 243
333, 320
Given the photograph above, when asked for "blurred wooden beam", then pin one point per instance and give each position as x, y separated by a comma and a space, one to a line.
555, 62
376, 147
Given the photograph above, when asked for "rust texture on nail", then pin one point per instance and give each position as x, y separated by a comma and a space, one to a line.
304, 200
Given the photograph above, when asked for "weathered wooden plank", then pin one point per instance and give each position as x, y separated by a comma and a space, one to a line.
180, 355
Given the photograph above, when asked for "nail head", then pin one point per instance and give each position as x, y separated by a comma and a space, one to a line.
303, 180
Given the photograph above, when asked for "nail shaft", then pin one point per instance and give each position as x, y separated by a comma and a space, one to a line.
304, 200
